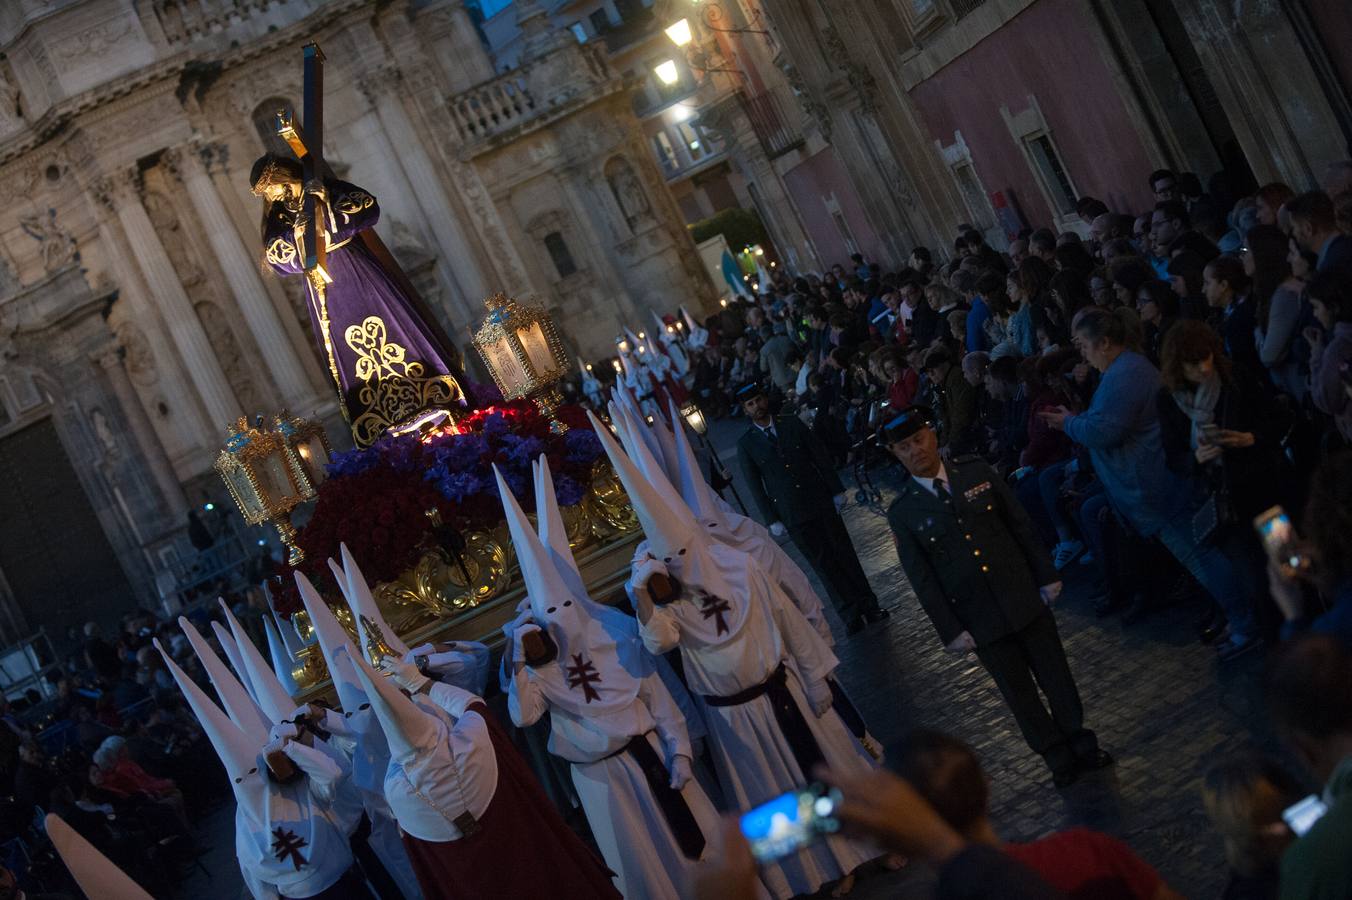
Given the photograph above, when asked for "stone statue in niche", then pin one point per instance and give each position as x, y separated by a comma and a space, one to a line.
629, 193
136, 354
54, 242
11, 112
104, 433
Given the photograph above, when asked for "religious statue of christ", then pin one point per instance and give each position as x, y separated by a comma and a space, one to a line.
392, 369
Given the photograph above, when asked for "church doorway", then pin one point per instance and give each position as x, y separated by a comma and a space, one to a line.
54, 556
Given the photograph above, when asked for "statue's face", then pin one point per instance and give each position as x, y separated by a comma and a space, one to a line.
276, 189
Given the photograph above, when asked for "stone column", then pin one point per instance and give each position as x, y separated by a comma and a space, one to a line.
110, 360
185, 329
457, 249
242, 275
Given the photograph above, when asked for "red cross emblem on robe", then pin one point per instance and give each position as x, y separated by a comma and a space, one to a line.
582, 674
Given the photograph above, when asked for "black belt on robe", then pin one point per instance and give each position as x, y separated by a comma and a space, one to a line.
672, 803
790, 717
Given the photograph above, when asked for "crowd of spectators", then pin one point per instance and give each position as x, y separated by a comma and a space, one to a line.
115, 752
1150, 390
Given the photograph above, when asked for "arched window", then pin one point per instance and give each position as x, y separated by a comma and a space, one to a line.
265, 122
560, 254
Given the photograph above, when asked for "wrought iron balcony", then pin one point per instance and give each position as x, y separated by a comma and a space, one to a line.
771, 126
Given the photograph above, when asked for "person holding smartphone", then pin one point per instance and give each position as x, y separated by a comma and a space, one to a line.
1309, 694
1310, 574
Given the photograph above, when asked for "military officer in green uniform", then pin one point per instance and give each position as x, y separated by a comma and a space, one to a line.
987, 583
789, 473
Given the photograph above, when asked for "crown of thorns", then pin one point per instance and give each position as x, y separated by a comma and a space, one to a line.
269, 171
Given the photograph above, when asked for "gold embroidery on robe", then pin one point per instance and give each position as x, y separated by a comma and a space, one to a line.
354, 202
394, 389
281, 252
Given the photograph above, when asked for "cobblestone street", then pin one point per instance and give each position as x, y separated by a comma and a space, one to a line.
1156, 697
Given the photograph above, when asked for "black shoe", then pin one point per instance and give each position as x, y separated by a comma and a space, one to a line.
1064, 778
876, 615
1108, 604
1141, 606
1212, 632
1099, 759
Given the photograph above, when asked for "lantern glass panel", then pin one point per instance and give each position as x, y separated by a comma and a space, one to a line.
532, 338
273, 478
506, 367
313, 458
242, 487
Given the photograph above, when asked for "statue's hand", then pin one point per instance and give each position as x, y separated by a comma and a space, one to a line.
315, 186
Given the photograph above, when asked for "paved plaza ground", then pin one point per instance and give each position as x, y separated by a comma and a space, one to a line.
1157, 698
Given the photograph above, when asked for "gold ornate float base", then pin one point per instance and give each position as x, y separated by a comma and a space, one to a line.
436, 601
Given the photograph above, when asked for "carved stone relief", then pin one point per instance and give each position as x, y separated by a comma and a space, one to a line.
627, 191
54, 243
236, 365
139, 358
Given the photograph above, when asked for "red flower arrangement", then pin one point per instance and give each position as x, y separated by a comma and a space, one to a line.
376, 500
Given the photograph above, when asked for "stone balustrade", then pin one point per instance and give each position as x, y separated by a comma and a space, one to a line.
492, 107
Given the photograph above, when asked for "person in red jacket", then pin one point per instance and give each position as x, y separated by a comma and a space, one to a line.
1078, 862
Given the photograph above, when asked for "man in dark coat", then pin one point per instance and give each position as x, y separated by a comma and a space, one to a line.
987, 583
790, 475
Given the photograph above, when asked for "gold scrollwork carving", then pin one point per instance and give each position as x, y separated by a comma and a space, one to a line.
394, 388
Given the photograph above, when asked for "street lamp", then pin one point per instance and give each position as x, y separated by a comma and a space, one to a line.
667, 72
680, 32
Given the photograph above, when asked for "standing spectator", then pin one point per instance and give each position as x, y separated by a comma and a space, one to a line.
1314, 225
792, 480
1185, 275
1331, 347
1171, 231
1309, 691
923, 323
1226, 288
1269, 199
1159, 309
1277, 291
1220, 427
1122, 433
985, 581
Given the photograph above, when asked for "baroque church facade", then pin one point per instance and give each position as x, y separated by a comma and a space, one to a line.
136, 321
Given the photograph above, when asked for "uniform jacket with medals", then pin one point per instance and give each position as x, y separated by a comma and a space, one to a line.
975, 565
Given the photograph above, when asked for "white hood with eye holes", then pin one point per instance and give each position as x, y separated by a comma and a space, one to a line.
598, 666
713, 604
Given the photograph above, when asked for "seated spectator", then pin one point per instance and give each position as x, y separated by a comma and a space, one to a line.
1158, 307
1244, 798
957, 399
1269, 199
1330, 294
901, 379
1078, 862
1309, 693
1127, 276
1171, 231
1185, 276
118, 774
1003, 386
1121, 431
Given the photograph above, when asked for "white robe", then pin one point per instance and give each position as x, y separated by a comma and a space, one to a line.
755, 761
633, 835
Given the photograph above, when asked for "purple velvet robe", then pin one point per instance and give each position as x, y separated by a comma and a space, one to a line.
386, 361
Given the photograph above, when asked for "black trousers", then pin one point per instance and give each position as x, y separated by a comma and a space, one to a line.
827, 545
1033, 658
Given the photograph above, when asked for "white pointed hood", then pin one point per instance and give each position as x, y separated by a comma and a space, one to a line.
283, 663
659, 327
290, 639
333, 642
364, 609
231, 651
643, 455
241, 707
698, 336
95, 873
236, 750
667, 442
274, 699
697, 493
710, 573
409, 729
587, 677
636, 429
553, 533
